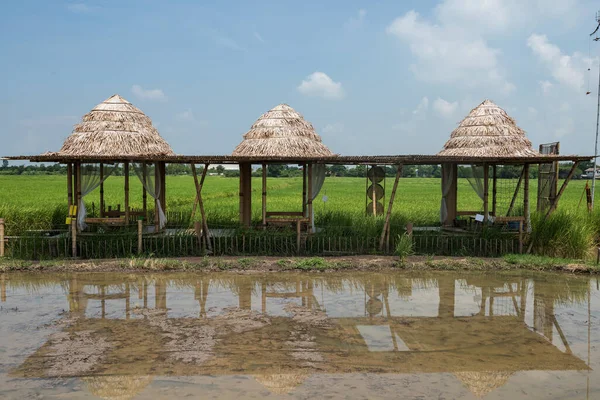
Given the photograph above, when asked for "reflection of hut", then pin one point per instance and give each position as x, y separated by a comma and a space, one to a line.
280, 383
281, 133
123, 387
482, 383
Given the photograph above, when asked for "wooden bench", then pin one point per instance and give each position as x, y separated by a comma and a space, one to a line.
288, 218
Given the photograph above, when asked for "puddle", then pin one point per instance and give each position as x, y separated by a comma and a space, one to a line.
330, 335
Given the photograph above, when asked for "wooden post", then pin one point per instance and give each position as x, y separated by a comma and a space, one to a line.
526, 211
562, 189
163, 186
494, 190
264, 195
70, 184
74, 237
140, 232
451, 198
520, 237
144, 192
486, 189
126, 172
514, 198
199, 233
389, 210
246, 194
304, 190
205, 232
1, 237
78, 190
310, 195
157, 200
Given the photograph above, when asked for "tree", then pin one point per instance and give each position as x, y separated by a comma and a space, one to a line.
4, 163
220, 169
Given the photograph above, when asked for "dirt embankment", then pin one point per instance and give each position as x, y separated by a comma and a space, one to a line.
278, 264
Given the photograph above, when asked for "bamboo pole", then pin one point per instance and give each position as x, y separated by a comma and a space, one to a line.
126, 172
494, 190
264, 195
1, 237
514, 198
562, 189
163, 187
304, 190
70, 184
74, 237
310, 195
389, 210
140, 248
199, 185
78, 188
526, 210
101, 213
144, 192
157, 199
486, 189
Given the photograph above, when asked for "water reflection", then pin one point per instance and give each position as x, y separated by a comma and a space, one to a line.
121, 330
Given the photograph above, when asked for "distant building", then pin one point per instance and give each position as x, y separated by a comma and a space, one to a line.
589, 173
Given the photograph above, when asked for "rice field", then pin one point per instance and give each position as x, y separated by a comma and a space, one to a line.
39, 202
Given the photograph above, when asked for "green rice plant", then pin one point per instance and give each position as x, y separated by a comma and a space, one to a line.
404, 246
563, 234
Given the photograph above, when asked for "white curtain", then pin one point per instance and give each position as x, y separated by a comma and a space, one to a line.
90, 180
318, 178
447, 180
147, 173
476, 179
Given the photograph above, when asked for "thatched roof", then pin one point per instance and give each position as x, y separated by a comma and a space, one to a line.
488, 131
115, 128
282, 132
121, 387
483, 382
280, 383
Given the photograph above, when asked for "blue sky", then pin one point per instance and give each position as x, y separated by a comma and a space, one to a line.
374, 77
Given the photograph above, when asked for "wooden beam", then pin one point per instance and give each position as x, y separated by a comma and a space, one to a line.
486, 189
126, 172
562, 189
494, 189
514, 198
264, 194
389, 210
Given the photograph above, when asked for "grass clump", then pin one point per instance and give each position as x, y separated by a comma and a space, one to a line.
562, 235
405, 246
314, 263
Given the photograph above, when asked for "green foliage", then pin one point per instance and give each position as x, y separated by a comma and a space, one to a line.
564, 234
405, 246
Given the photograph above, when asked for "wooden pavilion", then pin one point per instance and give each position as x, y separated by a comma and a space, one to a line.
281, 133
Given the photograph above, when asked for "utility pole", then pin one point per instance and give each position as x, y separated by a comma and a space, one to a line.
597, 117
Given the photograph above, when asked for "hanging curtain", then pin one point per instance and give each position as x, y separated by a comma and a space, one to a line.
146, 172
447, 180
318, 178
476, 179
90, 180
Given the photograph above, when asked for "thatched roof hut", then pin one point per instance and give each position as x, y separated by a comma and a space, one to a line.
488, 131
282, 132
115, 128
483, 382
281, 383
120, 387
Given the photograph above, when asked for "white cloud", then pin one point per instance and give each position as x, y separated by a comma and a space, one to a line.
449, 53
80, 8
445, 108
334, 128
185, 116
357, 21
148, 94
546, 86
567, 70
258, 37
320, 84
422, 108
487, 14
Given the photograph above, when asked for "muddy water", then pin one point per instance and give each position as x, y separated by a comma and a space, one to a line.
350, 335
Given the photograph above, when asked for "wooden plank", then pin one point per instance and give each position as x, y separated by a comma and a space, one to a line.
516, 193
389, 210
284, 214
126, 172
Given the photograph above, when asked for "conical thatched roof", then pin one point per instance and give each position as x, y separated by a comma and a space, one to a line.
282, 132
488, 131
117, 387
115, 128
280, 383
483, 382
